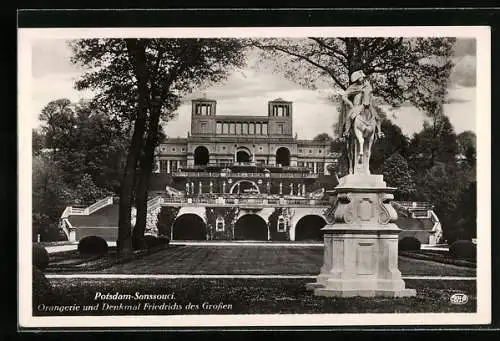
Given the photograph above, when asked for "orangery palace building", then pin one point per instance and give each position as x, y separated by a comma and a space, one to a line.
237, 178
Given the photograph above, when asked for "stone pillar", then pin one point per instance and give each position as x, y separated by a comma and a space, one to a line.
315, 167
281, 188
168, 166
187, 188
192, 187
304, 189
291, 188
211, 187
223, 187
199, 188
361, 242
178, 164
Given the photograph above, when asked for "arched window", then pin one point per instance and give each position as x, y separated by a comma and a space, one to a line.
219, 224
283, 156
201, 156
242, 156
281, 224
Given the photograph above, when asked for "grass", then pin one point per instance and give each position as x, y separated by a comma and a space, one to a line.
255, 296
178, 259
58, 243
238, 259
72, 261
439, 256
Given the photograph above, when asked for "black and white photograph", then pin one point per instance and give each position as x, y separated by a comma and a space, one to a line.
253, 177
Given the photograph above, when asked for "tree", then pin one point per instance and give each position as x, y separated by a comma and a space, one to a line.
83, 140
50, 195
87, 192
467, 146
401, 70
466, 212
37, 142
158, 72
58, 120
397, 174
394, 141
442, 185
323, 137
436, 143
413, 70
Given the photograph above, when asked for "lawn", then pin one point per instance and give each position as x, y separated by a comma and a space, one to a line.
259, 260
250, 296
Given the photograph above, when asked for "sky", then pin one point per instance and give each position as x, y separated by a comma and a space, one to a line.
247, 91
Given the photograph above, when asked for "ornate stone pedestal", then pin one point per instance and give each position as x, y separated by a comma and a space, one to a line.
361, 243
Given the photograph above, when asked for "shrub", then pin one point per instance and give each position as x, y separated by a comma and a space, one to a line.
409, 244
152, 241
462, 249
92, 245
163, 240
40, 257
41, 288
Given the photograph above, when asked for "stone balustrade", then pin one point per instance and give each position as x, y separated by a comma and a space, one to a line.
243, 200
245, 175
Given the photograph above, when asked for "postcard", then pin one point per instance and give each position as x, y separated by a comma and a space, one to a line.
254, 177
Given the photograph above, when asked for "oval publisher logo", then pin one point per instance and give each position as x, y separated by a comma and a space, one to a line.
459, 299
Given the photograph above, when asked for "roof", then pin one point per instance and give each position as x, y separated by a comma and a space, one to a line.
203, 99
279, 99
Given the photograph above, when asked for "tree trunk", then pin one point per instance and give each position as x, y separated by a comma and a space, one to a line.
136, 52
147, 160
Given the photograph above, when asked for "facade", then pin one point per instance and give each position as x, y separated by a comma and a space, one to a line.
252, 166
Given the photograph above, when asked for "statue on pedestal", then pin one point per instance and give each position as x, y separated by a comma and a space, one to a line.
360, 237
362, 123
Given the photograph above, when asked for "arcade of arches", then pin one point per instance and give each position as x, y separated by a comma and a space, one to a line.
309, 228
190, 226
202, 157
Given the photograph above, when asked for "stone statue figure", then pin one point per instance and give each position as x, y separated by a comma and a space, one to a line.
362, 123
360, 220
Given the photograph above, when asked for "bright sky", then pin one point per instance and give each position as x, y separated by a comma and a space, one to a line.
247, 91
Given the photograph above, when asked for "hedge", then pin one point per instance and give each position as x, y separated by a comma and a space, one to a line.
409, 244
40, 257
152, 241
41, 288
93, 245
462, 249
